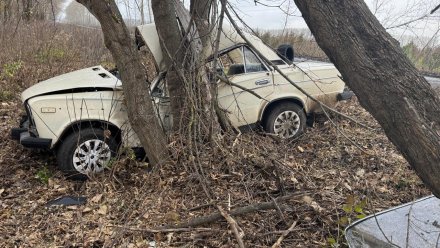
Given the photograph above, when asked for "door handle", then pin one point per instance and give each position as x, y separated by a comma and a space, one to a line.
262, 82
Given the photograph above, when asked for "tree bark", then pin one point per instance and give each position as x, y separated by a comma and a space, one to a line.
200, 10
173, 54
27, 6
141, 113
384, 80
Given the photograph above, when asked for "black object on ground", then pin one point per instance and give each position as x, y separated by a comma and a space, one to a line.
67, 201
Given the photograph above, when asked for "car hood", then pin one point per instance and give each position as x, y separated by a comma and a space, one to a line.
88, 78
307, 64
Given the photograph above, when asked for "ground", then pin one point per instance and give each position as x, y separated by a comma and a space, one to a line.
337, 172
332, 175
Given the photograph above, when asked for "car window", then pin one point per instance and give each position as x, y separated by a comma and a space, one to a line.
253, 63
240, 60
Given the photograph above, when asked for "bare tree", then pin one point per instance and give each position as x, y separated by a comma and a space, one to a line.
174, 53
200, 10
385, 81
139, 105
183, 42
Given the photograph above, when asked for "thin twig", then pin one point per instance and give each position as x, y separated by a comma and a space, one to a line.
279, 210
284, 235
238, 232
210, 204
417, 19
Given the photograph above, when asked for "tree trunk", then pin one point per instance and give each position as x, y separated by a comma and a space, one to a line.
27, 7
173, 54
386, 83
139, 104
142, 12
200, 9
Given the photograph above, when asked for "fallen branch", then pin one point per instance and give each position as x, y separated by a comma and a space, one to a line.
234, 226
284, 235
210, 204
237, 212
161, 230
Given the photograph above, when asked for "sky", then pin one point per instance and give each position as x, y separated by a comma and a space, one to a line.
389, 12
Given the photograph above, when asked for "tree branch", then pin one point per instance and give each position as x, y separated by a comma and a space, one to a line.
237, 212
238, 232
284, 235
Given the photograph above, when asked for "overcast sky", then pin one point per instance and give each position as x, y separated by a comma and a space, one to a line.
389, 12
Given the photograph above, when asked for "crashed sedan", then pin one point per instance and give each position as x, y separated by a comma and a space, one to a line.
81, 115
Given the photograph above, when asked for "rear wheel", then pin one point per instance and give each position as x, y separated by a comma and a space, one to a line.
287, 120
85, 152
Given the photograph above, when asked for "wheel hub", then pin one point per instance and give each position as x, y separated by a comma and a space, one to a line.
287, 124
91, 156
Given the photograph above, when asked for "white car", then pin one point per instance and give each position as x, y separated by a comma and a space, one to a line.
81, 115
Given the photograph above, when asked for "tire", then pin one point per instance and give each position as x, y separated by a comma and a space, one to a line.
287, 52
77, 154
287, 120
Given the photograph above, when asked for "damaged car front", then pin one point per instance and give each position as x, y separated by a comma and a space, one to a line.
80, 115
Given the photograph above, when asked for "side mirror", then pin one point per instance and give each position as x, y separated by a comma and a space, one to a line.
286, 51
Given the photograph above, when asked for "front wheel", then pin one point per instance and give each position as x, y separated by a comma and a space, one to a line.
85, 152
287, 120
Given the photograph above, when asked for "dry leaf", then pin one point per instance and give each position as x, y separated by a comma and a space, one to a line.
62, 190
103, 210
72, 207
86, 210
309, 201
146, 216
97, 198
360, 173
347, 186
293, 179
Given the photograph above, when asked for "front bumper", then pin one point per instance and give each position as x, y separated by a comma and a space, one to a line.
345, 95
27, 140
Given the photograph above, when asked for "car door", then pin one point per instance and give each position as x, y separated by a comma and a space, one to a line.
243, 68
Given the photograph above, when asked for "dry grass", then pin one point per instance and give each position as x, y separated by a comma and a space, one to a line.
40, 50
123, 203
303, 42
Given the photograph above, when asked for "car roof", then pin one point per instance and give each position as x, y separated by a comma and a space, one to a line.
229, 38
